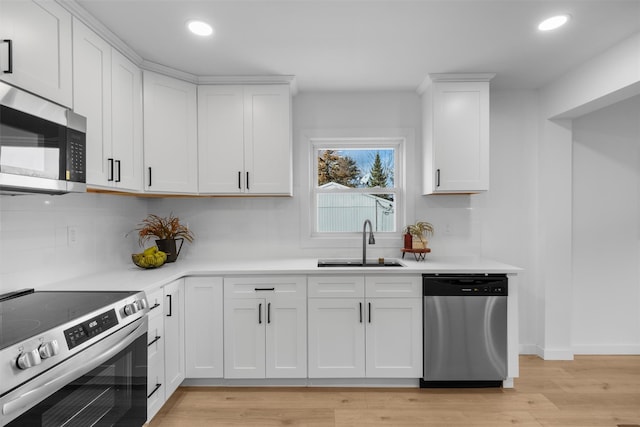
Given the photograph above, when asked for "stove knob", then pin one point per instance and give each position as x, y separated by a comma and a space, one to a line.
130, 309
143, 303
29, 359
48, 349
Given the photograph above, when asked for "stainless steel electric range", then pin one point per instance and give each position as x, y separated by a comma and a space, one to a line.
73, 358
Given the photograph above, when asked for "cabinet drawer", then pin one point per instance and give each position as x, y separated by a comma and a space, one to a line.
155, 387
387, 286
155, 300
155, 336
334, 286
252, 287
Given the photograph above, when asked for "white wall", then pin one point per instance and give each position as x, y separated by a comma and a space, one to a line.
507, 211
34, 236
606, 230
602, 81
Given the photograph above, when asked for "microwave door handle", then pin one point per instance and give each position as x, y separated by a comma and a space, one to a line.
32, 397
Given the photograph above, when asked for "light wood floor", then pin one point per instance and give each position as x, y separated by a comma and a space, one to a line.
589, 391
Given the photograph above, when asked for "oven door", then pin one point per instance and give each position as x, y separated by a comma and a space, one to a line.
104, 385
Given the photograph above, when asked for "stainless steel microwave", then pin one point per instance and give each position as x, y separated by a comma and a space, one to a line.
42, 145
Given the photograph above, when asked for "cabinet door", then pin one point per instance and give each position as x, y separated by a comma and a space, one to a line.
394, 337
221, 139
40, 32
174, 336
336, 338
170, 134
203, 327
456, 132
286, 338
126, 123
267, 136
155, 365
244, 338
92, 99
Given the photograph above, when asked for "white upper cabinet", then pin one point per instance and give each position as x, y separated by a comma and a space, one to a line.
92, 98
35, 53
244, 139
126, 123
108, 91
456, 134
170, 135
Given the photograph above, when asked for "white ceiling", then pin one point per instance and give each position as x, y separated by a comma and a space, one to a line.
370, 44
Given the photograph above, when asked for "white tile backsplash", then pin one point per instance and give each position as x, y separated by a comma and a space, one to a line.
49, 238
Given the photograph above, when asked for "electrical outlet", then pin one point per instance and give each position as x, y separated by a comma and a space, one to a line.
72, 235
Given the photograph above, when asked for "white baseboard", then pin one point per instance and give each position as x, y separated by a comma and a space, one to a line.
628, 349
568, 354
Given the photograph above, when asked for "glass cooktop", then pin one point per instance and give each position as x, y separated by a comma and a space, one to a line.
34, 313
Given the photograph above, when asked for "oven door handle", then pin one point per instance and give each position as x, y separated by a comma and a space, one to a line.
34, 396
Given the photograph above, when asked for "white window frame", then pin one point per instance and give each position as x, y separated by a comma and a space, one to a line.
402, 141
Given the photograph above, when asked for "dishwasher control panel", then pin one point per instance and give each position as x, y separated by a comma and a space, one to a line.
464, 285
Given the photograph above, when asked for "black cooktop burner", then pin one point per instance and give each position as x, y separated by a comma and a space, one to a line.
35, 313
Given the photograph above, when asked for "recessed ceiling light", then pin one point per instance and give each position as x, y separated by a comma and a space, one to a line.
200, 28
553, 22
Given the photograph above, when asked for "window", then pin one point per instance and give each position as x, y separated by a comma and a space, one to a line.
355, 179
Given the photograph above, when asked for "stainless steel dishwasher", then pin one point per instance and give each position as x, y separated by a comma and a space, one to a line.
465, 330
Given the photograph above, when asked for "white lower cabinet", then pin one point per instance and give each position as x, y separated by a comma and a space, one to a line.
203, 327
372, 331
336, 338
265, 327
165, 351
155, 353
394, 338
174, 336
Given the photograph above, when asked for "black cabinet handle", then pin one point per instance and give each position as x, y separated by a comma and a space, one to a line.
118, 169
156, 305
264, 289
156, 339
170, 306
154, 390
149, 176
437, 177
260, 314
268, 312
369, 315
239, 180
247, 180
110, 177
9, 69
360, 312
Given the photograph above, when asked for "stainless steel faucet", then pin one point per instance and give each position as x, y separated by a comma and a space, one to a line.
372, 240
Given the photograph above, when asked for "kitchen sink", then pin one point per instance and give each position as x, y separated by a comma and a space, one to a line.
358, 263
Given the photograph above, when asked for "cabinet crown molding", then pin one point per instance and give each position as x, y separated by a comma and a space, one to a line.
453, 77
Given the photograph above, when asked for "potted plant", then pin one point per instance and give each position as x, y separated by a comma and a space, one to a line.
166, 230
419, 233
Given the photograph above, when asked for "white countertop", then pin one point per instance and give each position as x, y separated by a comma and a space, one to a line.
134, 278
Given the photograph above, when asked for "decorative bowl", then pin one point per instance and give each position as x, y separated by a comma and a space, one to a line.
138, 260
